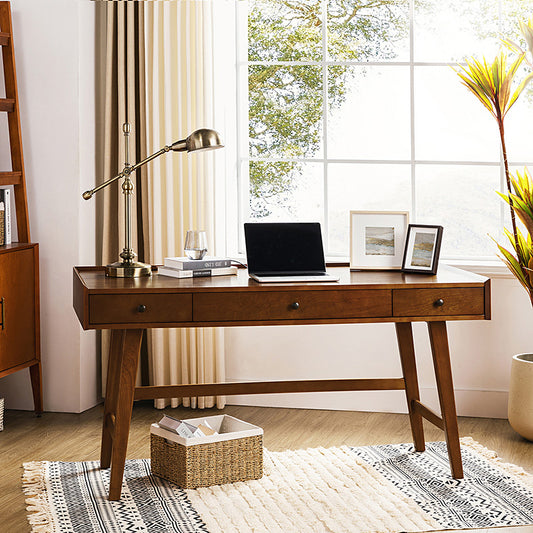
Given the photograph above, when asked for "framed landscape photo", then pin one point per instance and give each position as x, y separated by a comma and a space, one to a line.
377, 239
422, 249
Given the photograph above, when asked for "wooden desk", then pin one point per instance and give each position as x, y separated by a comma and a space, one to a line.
127, 306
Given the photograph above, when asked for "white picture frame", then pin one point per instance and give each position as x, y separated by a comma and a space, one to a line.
377, 239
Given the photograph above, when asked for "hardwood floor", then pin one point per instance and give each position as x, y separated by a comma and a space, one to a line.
71, 437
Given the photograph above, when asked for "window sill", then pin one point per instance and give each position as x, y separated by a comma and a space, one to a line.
490, 269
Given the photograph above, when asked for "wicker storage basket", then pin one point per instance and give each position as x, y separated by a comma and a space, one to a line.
1, 414
235, 454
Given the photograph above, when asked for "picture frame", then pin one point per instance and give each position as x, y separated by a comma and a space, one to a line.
422, 249
377, 239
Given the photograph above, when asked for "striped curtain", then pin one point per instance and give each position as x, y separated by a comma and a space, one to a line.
179, 192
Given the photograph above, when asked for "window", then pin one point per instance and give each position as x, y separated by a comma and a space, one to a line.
353, 105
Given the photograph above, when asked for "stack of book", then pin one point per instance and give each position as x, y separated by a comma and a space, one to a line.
5, 217
183, 267
186, 430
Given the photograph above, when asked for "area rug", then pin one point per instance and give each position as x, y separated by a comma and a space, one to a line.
387, 488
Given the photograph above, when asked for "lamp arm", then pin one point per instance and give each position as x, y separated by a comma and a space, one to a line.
87, 195
149, 158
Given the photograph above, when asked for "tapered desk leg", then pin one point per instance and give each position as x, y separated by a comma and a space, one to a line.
37, 387
443, 374
111, 395
120, 389
404, 334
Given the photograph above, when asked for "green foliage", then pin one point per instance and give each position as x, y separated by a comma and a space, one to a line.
492, 85
521, 201
277, 180
286, 106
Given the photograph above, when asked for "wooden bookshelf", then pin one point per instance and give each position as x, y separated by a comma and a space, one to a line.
19, 261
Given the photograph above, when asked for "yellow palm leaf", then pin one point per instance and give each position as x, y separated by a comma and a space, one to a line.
492, 83
526, 29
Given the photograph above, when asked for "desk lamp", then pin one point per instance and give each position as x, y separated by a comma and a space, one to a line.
199, 140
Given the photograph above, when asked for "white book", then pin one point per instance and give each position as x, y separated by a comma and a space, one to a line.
7, 202
204, 273
182, 428
188, 431
184, 263
2, 223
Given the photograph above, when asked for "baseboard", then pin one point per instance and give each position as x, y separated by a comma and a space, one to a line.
470, 402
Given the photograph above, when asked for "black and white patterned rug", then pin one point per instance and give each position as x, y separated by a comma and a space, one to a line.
387, 488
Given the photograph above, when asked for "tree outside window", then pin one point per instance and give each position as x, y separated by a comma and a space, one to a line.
352, 104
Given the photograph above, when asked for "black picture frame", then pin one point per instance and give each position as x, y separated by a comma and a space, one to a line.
422, 249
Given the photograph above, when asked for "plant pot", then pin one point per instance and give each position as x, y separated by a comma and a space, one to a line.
520, 410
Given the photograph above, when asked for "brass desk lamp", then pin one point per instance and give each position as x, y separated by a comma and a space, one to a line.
202, 139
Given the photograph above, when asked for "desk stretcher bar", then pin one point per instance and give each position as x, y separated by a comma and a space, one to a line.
266, 387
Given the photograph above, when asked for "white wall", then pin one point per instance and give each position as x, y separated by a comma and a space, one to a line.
54, 47
481, 353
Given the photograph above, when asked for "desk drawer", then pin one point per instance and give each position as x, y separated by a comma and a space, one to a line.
140, 308
438, 302
288, 305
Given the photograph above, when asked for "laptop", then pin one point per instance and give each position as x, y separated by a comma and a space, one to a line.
280, 252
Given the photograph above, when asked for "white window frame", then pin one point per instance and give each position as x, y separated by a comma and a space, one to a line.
239, 188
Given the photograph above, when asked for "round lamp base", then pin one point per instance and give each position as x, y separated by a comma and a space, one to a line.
128, 270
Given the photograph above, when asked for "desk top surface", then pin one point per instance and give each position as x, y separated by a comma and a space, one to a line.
93, 280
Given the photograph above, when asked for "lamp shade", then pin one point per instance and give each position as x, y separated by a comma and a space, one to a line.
202, 139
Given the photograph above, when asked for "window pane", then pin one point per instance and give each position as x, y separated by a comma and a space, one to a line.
286, 191
451, 30
285, 111
450, 122
369, 115
464, 201
519, 128
368, 30
285, 31
358, 187
365, 120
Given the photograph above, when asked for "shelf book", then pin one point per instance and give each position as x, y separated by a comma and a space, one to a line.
5, 216
184, 263
197, 273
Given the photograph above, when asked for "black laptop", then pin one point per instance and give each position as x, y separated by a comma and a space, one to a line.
285, 252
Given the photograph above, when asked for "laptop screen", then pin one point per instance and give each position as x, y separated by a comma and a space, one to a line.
284, 247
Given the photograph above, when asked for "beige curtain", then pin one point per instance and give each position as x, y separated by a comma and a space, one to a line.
180, 187
122, 100
158, 76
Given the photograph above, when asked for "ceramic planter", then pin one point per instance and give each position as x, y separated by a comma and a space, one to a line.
520, 411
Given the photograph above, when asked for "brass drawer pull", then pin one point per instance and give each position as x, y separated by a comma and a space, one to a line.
3, 304
295, 305
141, 308
438, 303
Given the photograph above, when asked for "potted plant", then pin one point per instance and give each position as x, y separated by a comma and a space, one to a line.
492, 84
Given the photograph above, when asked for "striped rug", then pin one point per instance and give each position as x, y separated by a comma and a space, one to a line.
387, 488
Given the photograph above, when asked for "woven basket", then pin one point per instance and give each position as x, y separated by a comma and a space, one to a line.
203, 465
1, 414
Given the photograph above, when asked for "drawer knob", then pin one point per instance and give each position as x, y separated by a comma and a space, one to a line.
141, 308
439, 302
295, 305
